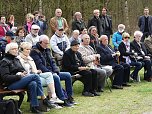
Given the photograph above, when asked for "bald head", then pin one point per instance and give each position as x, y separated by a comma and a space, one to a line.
44, 41
104, 39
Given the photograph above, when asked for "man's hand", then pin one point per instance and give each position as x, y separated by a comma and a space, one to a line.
83, 68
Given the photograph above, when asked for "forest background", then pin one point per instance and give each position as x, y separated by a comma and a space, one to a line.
121, 11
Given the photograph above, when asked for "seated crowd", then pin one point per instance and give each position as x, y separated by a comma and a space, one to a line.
31, 60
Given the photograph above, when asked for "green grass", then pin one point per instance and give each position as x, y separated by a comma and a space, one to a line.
136, 99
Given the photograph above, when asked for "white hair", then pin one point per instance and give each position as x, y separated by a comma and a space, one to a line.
96, 10
75, 31
10, 46
121, 26
25, 45
43, 37
138, 33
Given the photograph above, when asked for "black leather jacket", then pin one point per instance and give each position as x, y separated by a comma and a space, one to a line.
9, 66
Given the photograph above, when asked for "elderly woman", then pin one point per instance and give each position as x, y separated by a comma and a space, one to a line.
78, 23
15, 77
129, 57
30, 67
139, 48
93, 33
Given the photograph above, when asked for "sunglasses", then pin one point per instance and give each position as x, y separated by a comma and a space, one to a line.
127, 37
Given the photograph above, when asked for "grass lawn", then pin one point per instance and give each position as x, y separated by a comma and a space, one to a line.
136, 99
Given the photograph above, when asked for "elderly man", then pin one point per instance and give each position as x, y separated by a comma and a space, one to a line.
75, 36
109, 57
141, 51
106, 23
145, 24
33, 36
59, 42
148, 44
96, 21
117, 36
73, 63
58, 22
44, 61
91, 59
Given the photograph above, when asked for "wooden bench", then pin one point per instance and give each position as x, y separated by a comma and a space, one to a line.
19, 92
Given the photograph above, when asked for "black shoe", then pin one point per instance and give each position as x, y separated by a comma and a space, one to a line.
117, 87
100, 90
126, 85
95, 93
48, 103
35, 110
66, 103
71, 100
88, 94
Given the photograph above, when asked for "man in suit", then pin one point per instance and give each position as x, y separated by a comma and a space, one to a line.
106, 23
145, 24
109, 57
140, 49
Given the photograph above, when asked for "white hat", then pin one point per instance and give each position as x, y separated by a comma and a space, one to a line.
35, 27
10, 46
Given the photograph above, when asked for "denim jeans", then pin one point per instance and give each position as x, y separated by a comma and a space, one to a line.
46, 78
68, 82
33, 83
138, 66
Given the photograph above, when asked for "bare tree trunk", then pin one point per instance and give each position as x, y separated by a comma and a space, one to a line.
126, 15
40, 6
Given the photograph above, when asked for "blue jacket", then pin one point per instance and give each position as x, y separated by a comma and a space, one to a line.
116, 39
43, 59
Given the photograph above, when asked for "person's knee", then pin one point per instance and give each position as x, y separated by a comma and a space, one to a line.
32, 84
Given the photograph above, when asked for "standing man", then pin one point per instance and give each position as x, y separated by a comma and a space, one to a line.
58, 22
145, 24
96, 21
106, 23
40, 20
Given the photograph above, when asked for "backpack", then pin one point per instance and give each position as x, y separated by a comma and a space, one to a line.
9, 107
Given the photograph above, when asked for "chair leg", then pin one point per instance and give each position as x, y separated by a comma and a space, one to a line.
108, 84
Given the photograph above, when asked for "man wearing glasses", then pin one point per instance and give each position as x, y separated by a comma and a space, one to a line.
33, 36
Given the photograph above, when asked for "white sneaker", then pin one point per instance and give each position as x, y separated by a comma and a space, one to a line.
58, 107
56, 100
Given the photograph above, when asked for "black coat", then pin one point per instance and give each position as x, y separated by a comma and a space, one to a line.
78, 25
43, 59
69, 61
122, 49
106, 56
9, 67
97, 22
137, 48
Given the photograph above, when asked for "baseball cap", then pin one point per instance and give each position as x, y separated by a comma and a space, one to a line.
11, 34
74, 42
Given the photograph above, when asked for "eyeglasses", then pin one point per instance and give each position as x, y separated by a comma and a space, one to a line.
45, 43
35, 29
127, 37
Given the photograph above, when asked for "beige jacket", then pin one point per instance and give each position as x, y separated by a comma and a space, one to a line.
88, 55
148, 44
54, 25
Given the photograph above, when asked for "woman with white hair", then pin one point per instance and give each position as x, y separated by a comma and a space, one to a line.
30, 67
129, 57
15, 77
139, 48
78, 23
